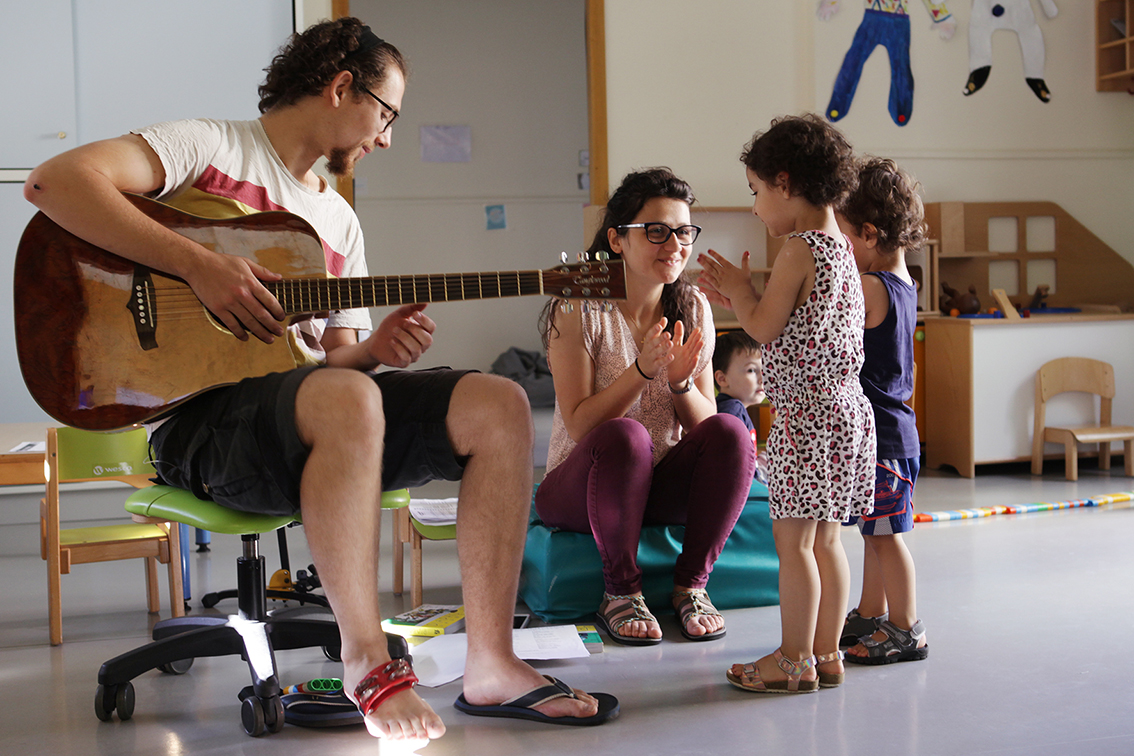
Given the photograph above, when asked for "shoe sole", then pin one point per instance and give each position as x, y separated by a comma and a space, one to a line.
918, 654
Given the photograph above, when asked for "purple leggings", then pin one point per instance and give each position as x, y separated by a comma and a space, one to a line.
609, 486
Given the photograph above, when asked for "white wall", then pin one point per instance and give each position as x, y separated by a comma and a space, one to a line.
515, 72
730, 66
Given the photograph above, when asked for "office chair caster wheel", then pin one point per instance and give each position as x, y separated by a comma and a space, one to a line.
252, 716
109, 699
334, 653
179, 667
275, 714
209, 600
260, 715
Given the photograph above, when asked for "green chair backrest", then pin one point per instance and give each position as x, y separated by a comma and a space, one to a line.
87, 455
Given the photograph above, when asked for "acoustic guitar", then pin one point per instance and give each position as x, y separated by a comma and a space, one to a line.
104, 343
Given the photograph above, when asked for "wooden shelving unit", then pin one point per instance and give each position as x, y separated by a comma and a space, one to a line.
1114, 45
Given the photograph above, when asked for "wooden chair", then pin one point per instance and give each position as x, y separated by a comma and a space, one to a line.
75, 455
1090, 376
408, 530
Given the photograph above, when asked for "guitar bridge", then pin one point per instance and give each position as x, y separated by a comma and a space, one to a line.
141, 307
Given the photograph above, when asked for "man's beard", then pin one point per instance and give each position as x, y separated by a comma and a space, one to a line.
340, 163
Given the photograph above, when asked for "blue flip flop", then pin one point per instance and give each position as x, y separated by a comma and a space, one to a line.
521, 707
308, 706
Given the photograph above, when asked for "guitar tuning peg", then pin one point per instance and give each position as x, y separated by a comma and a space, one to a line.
566, 307
580, 256
608, 306
563, 257
602, 255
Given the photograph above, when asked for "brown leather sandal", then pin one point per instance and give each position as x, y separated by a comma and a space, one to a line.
613, 620
695, 603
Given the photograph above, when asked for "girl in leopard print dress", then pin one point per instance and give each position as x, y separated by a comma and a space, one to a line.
821, 447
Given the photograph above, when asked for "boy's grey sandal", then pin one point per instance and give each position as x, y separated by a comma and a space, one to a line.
900, 645
855, 626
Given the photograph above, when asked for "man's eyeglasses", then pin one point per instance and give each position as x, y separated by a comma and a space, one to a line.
659, 233
381, 102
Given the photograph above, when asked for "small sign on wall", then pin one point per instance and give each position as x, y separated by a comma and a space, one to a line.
495, 218
446, 144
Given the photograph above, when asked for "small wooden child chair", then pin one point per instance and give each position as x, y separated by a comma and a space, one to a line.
1090, 376
75, 455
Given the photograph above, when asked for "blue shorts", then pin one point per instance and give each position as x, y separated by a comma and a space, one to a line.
238, 446
894, 481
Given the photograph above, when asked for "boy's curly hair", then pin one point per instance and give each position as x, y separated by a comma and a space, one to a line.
309, 60
887, 198
816, 157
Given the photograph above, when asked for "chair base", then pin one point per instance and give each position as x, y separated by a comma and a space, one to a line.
253, 634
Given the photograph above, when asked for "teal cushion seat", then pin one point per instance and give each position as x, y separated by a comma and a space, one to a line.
561, 579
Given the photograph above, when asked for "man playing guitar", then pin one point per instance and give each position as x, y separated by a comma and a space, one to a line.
311, 440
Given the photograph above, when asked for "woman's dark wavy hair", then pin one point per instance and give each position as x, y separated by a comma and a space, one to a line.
309, 60
629, 198
816, 157
887, 198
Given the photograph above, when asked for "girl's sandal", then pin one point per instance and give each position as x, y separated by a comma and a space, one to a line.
829, 679
747, 676
613, 620
692, 604
855, 626
900, 645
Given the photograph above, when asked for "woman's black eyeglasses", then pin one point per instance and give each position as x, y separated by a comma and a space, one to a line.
659, 233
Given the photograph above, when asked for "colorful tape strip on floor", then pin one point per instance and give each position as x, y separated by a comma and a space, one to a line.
1039, 506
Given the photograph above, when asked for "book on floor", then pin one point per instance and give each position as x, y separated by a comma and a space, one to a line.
591, 638
427, 620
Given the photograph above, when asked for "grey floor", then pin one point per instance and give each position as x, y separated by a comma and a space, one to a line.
1029, 620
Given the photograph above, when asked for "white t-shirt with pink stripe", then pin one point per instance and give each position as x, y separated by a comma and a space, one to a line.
222, 169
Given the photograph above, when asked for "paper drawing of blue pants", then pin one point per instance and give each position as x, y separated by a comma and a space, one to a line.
892, 31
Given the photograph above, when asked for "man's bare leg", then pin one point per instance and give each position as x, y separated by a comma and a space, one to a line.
490, 422
339, 417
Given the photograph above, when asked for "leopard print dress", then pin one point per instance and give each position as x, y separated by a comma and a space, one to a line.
821, 447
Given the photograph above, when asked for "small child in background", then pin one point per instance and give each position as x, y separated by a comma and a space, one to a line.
740, 380
883, 218
809, 321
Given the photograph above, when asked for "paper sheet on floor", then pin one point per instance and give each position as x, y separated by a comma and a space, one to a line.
441, 660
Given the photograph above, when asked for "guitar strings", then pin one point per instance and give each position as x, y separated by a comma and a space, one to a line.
177, 301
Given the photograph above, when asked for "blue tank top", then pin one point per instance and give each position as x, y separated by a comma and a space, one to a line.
887, 372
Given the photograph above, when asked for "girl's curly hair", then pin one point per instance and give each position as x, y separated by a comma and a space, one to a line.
629, 198
887, 198
309, 60
816, 157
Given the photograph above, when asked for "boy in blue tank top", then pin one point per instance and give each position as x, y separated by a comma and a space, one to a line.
883, 218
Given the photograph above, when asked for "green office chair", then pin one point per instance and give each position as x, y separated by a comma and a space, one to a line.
251, 634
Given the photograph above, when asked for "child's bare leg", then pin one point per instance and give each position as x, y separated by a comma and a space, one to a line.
834, 582
873, 601
799, 595
896, 566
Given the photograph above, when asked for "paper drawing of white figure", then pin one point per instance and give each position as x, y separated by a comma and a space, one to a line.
1015, 15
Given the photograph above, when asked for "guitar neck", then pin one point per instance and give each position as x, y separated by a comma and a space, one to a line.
303, 295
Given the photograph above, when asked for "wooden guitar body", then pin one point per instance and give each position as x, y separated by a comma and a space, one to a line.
104, 343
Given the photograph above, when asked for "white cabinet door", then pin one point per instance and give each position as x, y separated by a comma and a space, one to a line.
37, 82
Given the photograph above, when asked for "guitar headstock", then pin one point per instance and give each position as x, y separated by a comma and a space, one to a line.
590, 279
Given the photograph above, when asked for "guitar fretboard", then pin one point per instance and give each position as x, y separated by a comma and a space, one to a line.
301, 295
